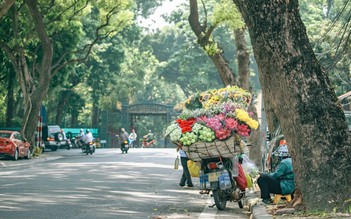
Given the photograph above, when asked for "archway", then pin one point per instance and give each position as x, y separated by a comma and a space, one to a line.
131, 114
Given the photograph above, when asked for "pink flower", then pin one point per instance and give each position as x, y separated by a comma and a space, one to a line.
213, 123
201, 119
231, 123
220, 116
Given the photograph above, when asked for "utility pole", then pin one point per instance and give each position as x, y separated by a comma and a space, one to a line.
264, 131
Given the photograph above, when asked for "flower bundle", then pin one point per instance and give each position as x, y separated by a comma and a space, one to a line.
218, 115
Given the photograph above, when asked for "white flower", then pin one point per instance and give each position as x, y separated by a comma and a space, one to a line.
197, 127
170, 129
176, 134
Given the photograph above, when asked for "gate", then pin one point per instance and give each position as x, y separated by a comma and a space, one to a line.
130, 116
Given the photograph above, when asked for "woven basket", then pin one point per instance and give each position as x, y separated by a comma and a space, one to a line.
203, 150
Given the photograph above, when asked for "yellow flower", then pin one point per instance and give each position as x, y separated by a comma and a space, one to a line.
242, 115
253, 124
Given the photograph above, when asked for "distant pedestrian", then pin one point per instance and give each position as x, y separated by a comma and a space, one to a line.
132, 138
186, 177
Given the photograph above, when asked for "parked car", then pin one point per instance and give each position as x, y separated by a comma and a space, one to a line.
13, 145
52, 137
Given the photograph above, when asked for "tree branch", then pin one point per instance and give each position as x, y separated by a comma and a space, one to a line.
5, 6
88, 47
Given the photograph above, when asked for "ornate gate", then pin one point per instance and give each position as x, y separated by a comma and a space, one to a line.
130, 114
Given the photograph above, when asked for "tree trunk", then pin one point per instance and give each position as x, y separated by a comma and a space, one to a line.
10, 106
34, 91
95, 115
5, 6
203, 35
243, 59
62, 103
299, 94
74, 119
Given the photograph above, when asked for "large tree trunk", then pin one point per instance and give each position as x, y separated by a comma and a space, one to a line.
299, 94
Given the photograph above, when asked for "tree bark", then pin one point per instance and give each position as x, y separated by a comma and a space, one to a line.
203, 35
5, 6
298, 92
243, 59
95, 115
62, 103
10, 103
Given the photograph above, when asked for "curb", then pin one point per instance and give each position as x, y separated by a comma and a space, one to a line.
256, 208
26, 162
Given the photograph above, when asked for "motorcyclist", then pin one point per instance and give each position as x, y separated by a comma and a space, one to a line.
148, 139
79, 138
88, 137
123, 136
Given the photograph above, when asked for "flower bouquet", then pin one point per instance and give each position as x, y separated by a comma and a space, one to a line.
212, 123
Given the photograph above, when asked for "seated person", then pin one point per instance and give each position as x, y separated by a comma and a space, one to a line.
279, 182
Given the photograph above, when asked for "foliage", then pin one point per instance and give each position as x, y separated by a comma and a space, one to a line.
326, 30
225, 12
212, 49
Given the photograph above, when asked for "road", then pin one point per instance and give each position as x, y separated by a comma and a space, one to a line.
68, 184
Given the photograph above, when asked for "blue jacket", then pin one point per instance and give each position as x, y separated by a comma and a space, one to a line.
285, 174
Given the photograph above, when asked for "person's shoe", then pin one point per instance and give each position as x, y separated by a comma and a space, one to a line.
188, 187
181, 185
267, 201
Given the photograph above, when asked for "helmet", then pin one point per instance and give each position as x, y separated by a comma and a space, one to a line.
81, 130
87, 131
282, 142
283, 151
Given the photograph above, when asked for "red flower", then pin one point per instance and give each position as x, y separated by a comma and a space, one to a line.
186, 125
243, 130
223, 133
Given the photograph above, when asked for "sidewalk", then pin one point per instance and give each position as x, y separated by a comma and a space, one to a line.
257, 209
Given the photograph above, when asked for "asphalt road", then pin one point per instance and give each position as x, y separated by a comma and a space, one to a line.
68, 184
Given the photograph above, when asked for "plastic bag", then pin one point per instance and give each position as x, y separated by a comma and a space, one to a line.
249, 180
249, 166
241, 178
194, 168
176, 163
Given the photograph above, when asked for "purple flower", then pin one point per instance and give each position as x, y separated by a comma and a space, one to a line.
214, 123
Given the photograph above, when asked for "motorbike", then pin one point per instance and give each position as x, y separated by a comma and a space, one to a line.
146, 143
125, 146
218, 172
89, 148
77, 142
